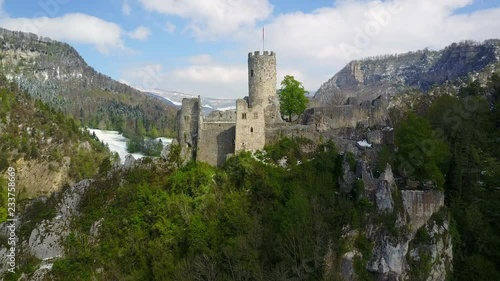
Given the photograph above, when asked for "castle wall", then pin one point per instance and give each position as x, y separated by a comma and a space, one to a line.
210, 139
261, 78
250, 127
335, 117
188, 119
215, 141
346, 116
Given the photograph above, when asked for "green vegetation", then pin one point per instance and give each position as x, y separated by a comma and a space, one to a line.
245, 220
93, 99
37, 133
292, 97
365, 248
470, 125
40, 209
3, 199
455, 142
148, 147
254, 220
421, 155
289, 148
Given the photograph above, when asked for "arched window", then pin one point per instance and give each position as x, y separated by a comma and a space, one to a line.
251, 72
251, 129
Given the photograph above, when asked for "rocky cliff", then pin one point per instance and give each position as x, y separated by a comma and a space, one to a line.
407, 236
385, 246
42, 237
369, 78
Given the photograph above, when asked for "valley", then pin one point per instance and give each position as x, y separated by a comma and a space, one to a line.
117, 143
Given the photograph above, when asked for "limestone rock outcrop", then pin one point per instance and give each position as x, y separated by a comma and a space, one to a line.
366, 79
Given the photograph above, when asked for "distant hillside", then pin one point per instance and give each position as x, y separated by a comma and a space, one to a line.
209, 104
47, 149
368, 78
55, 73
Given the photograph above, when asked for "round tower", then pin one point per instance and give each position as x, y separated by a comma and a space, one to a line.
261, 78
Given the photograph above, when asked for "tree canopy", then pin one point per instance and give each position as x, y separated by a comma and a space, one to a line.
292, 97
421, 155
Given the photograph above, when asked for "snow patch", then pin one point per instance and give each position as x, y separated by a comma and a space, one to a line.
176, 103
118, 143
227, 108
364, 143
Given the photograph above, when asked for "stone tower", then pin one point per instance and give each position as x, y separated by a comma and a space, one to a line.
261, 78
261, 109
188, 124
212, 138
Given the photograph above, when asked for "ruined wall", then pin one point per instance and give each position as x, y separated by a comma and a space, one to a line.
215, 141
250, 127
188, 119
368, 113
334, 117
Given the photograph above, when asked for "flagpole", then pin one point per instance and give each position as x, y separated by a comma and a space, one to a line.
263, 40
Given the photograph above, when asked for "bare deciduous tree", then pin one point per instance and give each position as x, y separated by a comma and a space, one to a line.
338, 98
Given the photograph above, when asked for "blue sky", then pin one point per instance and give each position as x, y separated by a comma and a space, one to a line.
201, 46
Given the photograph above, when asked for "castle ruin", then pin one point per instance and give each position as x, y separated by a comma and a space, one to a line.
212, 138
257, 119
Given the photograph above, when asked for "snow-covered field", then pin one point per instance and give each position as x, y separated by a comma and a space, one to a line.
118, 143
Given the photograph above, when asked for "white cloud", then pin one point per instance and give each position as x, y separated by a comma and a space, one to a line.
141, 33
200, 59
214, 80
170, 27
126, 10
313, 46
212, 73
79, 28
209, 19
321, 42
147, 76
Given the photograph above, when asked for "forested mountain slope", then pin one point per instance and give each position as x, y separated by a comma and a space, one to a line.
47, 149
56, 74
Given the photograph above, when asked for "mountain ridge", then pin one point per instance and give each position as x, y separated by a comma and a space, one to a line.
55, 73
390, 74
208, 104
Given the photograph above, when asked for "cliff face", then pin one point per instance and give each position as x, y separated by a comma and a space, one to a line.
420, 205
369, 78
56, 74
386, 247
41, 237
409, 234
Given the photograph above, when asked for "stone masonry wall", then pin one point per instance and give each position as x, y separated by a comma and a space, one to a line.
215, 142
261, 78
250, 127
188, 119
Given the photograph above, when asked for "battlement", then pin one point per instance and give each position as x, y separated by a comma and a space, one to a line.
257, 54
